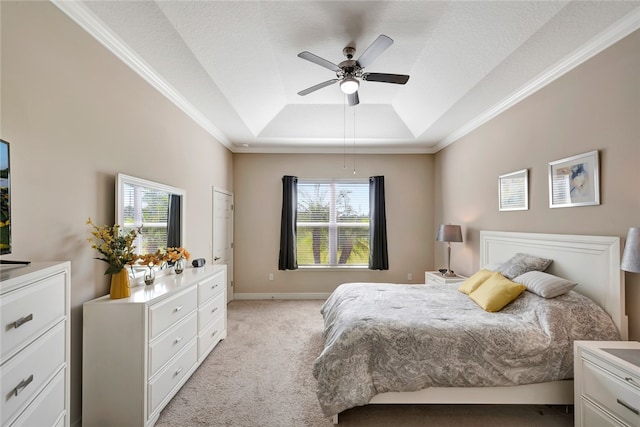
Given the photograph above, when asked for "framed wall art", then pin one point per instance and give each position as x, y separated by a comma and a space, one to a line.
513, 191
574, 181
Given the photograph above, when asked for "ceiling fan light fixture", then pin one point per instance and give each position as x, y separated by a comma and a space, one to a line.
349, 85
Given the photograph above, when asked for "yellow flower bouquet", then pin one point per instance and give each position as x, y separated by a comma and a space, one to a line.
175, 254
115, 245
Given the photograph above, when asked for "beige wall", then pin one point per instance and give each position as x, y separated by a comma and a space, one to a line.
76, 116
258, 203
594, 107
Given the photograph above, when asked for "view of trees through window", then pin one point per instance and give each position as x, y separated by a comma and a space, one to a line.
333, 223
148, 208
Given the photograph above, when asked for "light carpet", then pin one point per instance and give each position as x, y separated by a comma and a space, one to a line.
261, 376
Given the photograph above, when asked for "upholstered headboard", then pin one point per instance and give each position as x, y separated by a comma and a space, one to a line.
592, 261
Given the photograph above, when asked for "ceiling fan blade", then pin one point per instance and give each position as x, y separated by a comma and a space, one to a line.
374, 50
316, 87
320, 61
386, 78
353, 99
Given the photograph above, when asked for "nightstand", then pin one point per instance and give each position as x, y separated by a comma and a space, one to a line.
607, 383
435, 278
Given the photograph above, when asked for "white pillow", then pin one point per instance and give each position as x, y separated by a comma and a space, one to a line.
544, 284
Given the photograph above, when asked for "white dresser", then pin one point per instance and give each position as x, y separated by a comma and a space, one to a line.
607, 383
35, 344
138, 351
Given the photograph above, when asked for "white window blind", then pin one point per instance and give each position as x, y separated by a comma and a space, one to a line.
333, 223
147, 208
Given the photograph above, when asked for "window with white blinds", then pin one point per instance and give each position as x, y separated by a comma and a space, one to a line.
333, 223
147, 208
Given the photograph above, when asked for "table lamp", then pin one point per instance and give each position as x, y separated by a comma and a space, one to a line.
631, 255
449, 233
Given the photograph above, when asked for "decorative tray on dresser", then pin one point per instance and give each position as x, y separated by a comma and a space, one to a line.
139, 351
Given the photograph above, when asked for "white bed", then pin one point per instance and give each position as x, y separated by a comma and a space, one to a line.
592, 261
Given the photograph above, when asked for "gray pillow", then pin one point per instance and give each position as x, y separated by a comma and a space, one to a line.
521, 263
544, 284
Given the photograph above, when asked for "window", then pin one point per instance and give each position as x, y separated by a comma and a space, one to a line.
149, 208
333, 223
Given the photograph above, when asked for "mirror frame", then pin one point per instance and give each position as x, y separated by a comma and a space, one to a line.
122, 179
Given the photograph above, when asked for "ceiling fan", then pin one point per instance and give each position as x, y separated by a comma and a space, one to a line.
350, 72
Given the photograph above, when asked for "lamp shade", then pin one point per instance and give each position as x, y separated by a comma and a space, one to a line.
449, 233
631, 255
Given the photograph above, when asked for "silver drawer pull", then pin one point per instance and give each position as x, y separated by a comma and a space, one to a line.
21, 321
629, 407
631, 380
178, 371
22, 385
214, 286
178, 340
214, 309
214, 333
177, 309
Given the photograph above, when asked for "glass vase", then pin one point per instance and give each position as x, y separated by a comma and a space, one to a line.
149, 276
120, 285
179, 265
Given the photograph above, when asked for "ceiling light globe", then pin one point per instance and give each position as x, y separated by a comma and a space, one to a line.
349, 85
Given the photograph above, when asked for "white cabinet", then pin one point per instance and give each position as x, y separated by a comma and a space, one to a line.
436, 278
139, 351
35, 344
607, 383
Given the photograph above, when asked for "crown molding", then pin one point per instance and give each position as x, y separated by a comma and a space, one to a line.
82, 16
615, 33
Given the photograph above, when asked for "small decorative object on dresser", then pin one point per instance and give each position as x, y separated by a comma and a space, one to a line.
128, 378
35, 344
179, 256
607, 383
437, 278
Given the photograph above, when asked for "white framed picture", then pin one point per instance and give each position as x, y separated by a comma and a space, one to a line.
574, 181
513, 191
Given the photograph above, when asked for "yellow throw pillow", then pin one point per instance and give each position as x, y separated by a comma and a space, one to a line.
473, 282
496, 292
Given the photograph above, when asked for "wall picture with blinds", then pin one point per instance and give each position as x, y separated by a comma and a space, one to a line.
513, 191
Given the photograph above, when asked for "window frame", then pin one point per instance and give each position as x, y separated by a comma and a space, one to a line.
333, 225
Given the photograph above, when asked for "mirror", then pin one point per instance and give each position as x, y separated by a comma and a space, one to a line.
159, 209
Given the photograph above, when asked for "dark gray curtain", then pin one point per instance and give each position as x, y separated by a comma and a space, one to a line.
173, 230
288, 260
378, 255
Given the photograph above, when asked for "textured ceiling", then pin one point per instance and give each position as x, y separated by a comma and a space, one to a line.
233, 65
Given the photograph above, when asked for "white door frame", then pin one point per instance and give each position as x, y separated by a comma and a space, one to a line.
230, 283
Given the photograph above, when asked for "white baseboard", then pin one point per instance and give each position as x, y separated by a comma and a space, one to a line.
302, 295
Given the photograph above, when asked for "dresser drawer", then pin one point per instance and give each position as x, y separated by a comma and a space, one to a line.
211, 310
48, 408
593, 416
211, 286
28, 312
210, 335
170, 311
171, 376
30, 370
621, 399
171, 342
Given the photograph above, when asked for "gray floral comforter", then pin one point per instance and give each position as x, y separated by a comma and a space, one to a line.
388, 337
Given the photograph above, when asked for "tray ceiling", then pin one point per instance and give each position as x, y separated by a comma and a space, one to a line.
233, 65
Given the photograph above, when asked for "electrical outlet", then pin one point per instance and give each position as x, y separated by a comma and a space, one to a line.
409, 276
270, 276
